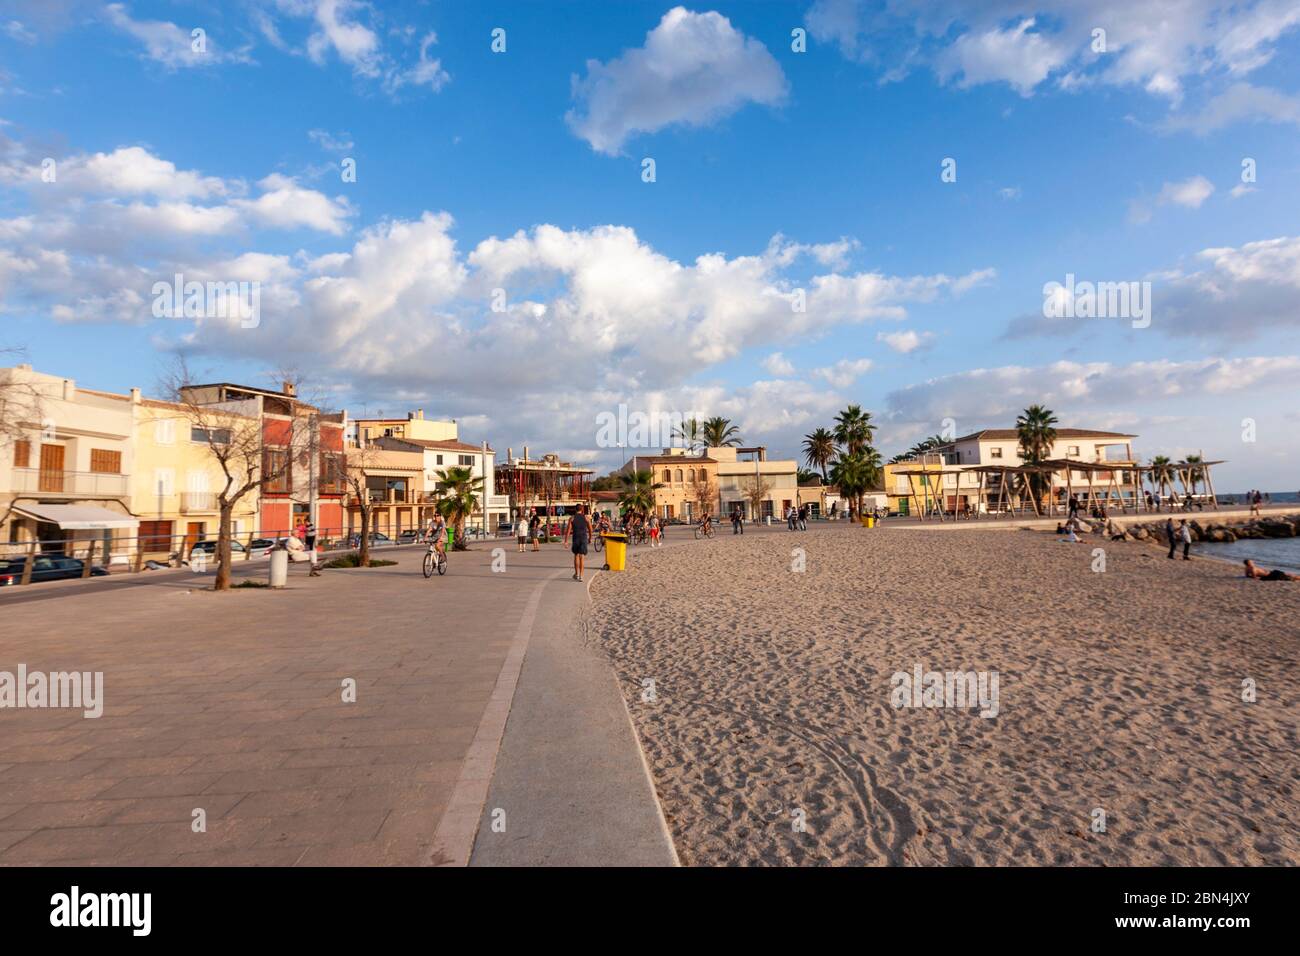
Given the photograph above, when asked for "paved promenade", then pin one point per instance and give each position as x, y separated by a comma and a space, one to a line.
233, 704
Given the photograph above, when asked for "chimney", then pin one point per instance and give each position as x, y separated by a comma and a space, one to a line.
291, 389
135, 396
419, 414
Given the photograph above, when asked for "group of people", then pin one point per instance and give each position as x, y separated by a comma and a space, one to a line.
796, 519
1255, 498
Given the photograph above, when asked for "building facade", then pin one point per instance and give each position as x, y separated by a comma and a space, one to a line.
66, 465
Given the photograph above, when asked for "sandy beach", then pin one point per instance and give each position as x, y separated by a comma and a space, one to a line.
772, 737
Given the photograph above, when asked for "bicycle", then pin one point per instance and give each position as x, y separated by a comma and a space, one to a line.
433, 558
598, 542
704, 531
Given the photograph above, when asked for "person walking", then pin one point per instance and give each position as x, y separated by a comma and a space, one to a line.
521, 532
1171, 533
1255, 499
737, 523
580, 528
803, 518
1185, 538
535, 530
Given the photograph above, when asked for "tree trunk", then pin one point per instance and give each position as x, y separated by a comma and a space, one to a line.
363, 552
460, 543
223, 548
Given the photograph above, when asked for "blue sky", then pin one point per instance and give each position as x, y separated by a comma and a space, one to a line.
775, 171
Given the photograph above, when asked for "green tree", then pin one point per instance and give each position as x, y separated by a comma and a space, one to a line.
818, 450
459, 490
853, 429
691, 434
718, 432
1036, 429
637, 493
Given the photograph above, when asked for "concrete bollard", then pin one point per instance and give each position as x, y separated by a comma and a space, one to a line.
279, 568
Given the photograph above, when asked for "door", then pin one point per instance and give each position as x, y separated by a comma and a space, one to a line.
193, 532
51, 476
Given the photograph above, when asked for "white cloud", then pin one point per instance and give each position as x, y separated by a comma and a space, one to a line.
353, 42
339, 142
778, 365
844, 372
427, 72
1156, 45
1009, 192
991, 397
694, 69
1240, 102
172, 46
1014, 55
15, 30
905, 341
1189, 193
286, 205
127, 170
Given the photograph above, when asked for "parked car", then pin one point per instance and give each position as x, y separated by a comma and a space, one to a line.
505, 530
261, 547
48, 567
409, 536
377, 540
209, 550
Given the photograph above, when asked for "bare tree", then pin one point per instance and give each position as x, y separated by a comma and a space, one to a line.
20, 417
361, 458
239, 441
703, 489
757, 490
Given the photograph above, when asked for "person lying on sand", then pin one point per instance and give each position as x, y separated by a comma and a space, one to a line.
1259, 574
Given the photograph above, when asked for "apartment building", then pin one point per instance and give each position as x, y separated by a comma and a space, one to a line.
733, 474
177, 479
439, 442
299, 443
393, 477
66, 464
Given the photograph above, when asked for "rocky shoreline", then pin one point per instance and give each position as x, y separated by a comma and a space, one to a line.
1216, 532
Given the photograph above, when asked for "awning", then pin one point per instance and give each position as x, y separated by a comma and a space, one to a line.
78, 517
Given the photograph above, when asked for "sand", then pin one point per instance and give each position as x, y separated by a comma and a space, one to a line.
772, 738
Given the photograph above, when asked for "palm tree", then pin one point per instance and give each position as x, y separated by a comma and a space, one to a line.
848, 473
637, 493
818, 450
1195, 473
459, 489
1161, 473
1037, 434
718, 432
853, 429
691, 433
898, 459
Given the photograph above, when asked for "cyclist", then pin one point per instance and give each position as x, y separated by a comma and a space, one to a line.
438, 534
706, 523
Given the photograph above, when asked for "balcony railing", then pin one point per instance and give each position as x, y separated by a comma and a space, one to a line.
74, 484
198, 502
390, 497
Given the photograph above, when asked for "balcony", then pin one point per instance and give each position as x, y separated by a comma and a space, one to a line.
71, 484
198, 502
391, 496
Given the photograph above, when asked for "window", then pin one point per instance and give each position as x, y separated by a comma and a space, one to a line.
276, 468
331, 473
164, 432
440, 459
164, 481
1072, 450
214, 436
22, 453
668, 475
679, 474
995, 452
466, 461
105, 462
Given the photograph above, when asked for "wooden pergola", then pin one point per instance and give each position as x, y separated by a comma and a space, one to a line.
1183, 471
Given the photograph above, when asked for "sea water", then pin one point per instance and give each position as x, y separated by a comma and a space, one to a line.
1268, 553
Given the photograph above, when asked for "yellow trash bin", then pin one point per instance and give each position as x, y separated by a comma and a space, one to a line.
615, 551
871, 521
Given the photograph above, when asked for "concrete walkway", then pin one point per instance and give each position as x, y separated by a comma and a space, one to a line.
571, 786
473, 691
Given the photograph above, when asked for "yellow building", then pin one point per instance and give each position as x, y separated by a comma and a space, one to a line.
176, 480
688, 484
394, 483
413, 426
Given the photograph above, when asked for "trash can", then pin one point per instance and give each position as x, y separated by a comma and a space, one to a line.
451, 537
279, 568
615, 551
870, 521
